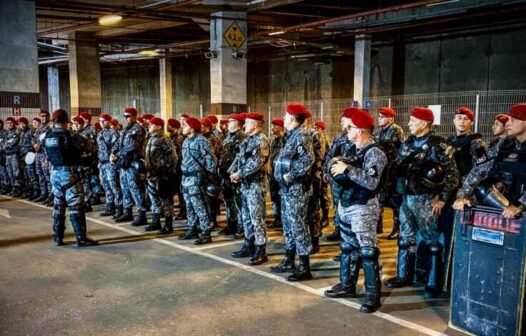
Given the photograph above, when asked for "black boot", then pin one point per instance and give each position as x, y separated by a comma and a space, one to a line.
140, 220
16, 192
348, 275
190, 234
315, 245
335, 236
276, 224
286, 265
88, 207
372, 284
155, 225
48, 201
246, 250
303, 271
109, 210
125, 217
118, 212
35, 195
96, 200
204, 238
59, 225
41, 198
182, 213
168, 226
260, 255
78, 221
324, 217
405, 268
434, 278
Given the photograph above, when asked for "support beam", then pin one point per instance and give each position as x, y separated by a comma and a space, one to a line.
53, 88
166, 87
362, 67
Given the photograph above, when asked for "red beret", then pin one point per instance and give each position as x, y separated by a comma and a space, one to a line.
193, 123
44, 111
114, 122
205, 123
422, 113
147, 116
37, 119
174, 123
185, 115
308, 114
254, 116
59, 114
297, 109
11, 119
362, 119
236, 116
278, 122
23, 120
140, 120
131, 111
105, 117
320, 124
98, 127
387, 112
348, 112
86, 116
156, 121
518, 111
502, 118
78, 120
223, 121
212, 118
467, 112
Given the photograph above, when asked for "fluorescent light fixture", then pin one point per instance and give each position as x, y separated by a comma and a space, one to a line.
149, 53
108, 20
442, 3
327, 47
276, 33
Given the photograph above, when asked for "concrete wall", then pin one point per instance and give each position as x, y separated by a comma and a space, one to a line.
191, 85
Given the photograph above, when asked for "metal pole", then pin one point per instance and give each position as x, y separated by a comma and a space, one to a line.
200, 110
477, 101
321, 110
389, 102
269, 118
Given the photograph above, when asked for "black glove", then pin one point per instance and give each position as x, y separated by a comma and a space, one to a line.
124, 162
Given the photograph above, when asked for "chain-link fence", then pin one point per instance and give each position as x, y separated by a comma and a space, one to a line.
486, 104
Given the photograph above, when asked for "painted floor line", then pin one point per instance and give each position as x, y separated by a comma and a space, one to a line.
318, 292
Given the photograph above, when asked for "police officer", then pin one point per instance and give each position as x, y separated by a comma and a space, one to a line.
107, 142
43, 168
505, 163
278, 131
391, 135
5, 185
64, 152
499, 129
325, 144
427, 178
130, 148
215, 145
161, 165
11, 148
26, 137
292, 171
231, 191
91, 181
250, 170
198, 163
213, 126
359, 211
174, 129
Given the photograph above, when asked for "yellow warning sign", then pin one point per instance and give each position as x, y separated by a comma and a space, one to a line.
234, 36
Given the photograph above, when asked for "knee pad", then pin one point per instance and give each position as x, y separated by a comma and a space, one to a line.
405, 243
369, 253
435, 249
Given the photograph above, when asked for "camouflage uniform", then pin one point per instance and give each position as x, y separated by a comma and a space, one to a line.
5, 184
12, 140
197, 157
42, 165
178, 139
231, 192
107, 142
89, 175
313, 210
213, 202
325, 144
130, 147
275, 148
30, 177
295, 188
251, 164
469, 149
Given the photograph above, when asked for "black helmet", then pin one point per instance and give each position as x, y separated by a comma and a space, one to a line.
433, 175
213, 190
139, 166
343, 179
489, 193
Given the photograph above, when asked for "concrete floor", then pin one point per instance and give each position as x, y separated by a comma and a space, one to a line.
140, 284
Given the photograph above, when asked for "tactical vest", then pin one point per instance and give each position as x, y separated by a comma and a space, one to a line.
462, 155
60, 149
510, 168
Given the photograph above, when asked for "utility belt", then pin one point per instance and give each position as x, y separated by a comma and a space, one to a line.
71, 169
357, 196
409, 187
9, 153
192, 174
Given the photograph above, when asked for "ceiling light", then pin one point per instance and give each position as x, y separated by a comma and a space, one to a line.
442, 3
276, 33
108, 20
149, 53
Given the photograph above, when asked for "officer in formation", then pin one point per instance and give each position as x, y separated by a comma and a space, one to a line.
391, 135
12, 152
215, 145
231, 191
5, 186
107, 143
249, 170
43, 166
292, 170
360, 175
161, 166
427, 178
64, 151
174, 130
499, 129
325, 144
198, 164
278, 140
26, 139
90, 176
504, 165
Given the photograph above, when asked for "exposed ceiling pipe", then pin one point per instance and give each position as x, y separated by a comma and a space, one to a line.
52, 47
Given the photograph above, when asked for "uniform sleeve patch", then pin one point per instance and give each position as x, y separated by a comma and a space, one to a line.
372, 172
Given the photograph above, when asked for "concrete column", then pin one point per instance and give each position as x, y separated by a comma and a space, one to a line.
84, 74
165, 88
53, 88
228, 67
362, 67
19, 83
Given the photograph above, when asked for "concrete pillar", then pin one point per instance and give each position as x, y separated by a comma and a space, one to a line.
84, 74
362, 67
165, 88
228, 67
53, 88
19, 83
